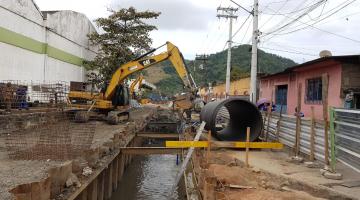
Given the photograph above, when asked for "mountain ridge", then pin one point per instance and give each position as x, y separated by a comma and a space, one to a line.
214, 69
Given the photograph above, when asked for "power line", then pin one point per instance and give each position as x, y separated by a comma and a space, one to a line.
248, 11
294, 11
314, 27
286, 16
246, 31
327, 16
285, 20
305, 27
314, 6
282, 6
212, 43
281, 50
237, 31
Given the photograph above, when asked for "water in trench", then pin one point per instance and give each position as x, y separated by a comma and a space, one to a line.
150, 177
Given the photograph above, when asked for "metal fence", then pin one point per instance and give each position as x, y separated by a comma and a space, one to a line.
285, 128
347, 137
50, 135
15, 94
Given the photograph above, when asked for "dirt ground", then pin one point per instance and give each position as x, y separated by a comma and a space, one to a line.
16, 172
222, 175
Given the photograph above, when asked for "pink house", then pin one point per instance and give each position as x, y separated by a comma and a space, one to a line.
343, 74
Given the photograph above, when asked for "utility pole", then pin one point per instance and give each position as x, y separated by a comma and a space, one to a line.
203, 58
228, 13
254, 51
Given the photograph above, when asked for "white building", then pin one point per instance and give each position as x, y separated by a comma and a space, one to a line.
42, 46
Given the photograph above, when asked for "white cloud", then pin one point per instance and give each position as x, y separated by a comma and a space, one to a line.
193, 26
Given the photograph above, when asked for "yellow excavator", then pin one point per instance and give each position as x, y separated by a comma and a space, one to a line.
114, 100
138, 81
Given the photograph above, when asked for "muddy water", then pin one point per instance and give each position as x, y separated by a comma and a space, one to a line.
150, 178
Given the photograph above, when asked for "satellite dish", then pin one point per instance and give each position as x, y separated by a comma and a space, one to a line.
325, 53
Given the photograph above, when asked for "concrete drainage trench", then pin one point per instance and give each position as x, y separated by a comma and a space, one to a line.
149, 177
144, 176
106, 170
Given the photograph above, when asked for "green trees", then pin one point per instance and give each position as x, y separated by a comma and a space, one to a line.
123, 36
215, 68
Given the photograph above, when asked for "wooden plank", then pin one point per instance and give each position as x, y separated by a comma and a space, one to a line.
110, 181
149, 150
83, 195
247, 146
115, 173
158, 135
298, 121
101, 187
332, 139
93, 190
240, 186
208, 148
325, 86
122, 166
312, 135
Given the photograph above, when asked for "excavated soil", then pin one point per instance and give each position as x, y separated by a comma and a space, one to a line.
220, 174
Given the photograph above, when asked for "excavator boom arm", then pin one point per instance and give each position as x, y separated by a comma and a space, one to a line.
172, 53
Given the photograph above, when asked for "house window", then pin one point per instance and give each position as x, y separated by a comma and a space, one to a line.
314, 91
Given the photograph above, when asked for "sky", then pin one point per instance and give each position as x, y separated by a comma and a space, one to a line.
295, 29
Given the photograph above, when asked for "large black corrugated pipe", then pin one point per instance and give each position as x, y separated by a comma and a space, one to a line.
228, 119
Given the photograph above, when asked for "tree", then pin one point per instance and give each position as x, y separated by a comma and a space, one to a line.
124, 36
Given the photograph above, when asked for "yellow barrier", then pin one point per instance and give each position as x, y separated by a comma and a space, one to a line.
203, 144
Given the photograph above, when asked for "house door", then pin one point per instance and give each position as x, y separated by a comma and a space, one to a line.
281, 98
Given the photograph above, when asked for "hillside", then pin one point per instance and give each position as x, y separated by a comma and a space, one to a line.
214, 69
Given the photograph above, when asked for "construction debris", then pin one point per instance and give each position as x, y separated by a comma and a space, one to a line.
87, 171
73, 181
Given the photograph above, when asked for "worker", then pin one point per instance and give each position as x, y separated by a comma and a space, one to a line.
263, 105
21, 97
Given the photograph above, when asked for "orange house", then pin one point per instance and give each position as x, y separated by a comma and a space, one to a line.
238, 87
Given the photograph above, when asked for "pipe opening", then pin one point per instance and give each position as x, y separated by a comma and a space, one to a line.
228, 119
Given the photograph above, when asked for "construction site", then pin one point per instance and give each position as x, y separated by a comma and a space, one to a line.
73, 132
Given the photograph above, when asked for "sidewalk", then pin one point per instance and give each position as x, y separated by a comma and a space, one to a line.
276, 162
